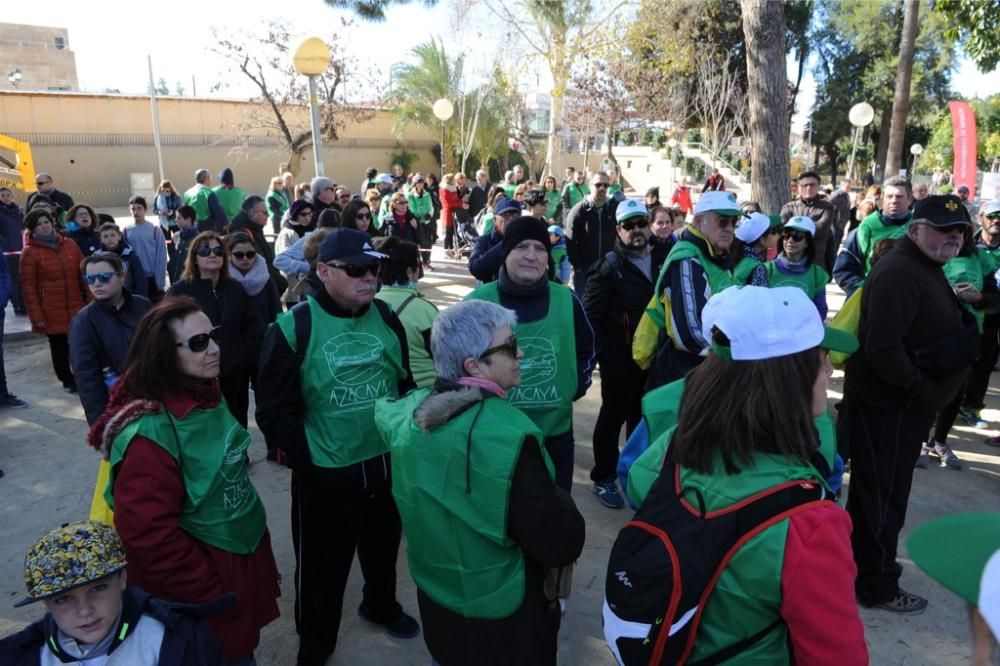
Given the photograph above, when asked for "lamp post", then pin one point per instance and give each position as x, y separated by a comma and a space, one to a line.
15, 76
673, 163
311, 58
861, 115
915, 150
442, 111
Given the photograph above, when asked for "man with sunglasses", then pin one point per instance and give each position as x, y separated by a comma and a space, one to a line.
917, 344
102, 331
822, 213
46, 189
590, 230
617, 293
669, 339
322, 366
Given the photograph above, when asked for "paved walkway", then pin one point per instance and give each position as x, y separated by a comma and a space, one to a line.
50, 477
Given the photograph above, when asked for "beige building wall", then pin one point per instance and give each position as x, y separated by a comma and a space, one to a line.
41, 53
91, 144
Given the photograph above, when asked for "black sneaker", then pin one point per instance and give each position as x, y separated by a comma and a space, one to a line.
11, 400
904, 603
70, 388
402, 627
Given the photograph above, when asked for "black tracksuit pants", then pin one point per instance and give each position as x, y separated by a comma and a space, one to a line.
989, 351
622, 383
885, 441
336, 511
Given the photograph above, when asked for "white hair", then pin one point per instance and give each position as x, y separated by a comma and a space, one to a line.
465, 330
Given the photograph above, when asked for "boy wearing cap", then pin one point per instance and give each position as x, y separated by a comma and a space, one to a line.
560, 261
78, 572
488, 253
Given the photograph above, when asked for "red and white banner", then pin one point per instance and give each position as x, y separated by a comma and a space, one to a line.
963, 127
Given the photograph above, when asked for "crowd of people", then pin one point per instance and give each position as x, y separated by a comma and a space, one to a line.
456, 427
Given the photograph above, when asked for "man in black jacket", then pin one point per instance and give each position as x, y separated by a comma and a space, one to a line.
620, 287
822, 213
916, 347
101, 333
590, 230
47, 190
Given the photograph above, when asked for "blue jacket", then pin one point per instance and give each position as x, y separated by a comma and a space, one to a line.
135, 273
487, 257
88, 240
11, 228
186, 642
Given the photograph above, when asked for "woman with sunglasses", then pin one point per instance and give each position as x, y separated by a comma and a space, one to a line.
399, 221
754, 238
357, 214
206, 279
795, 265
536, 205
53, 289
192, 523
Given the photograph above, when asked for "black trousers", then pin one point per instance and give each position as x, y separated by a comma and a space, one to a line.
947, 416
561, 449
622, 383
989, 352
59, 350
885, 441
16, 298
235, 389
336, 511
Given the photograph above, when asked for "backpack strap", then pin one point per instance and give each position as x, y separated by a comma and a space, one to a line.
402, 306
303, 328
615, 263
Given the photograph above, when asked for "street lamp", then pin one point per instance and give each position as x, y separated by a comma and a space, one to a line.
915, 150
311, 58
673, 162
15, 76
861, 115
442, 111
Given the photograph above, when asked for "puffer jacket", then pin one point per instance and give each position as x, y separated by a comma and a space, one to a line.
52, 286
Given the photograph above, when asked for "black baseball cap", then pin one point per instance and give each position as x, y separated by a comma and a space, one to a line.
348, 246
941, 210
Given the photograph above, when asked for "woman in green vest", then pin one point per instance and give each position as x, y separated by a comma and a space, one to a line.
422, 206
795, 265
754, 237
192, 523
553, 200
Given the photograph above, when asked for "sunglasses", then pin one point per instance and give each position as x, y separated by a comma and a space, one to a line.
205, 251
950, 228
601, 186
249, 254
796, 236
629, 225
199, 343
103, 278
363, 216
509, 347
726, 221
993, 216
359, 270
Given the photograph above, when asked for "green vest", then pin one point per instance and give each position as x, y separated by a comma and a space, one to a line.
348, 364
282, 203
509, 190
813, 281
452, 487
577, 193
487, 223
552, 202
718, 278
222, 507
613, 188
975, 269
557, 253
871, 230
743, 269
418, 315
420, 206
197, 198
230, 199
548, 369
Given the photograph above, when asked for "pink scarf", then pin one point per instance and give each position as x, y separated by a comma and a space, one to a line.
485, 384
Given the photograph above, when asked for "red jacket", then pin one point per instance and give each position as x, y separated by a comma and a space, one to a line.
450, 202
53, 288
169, 563
682, 197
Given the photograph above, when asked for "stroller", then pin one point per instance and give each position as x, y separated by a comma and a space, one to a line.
465, 233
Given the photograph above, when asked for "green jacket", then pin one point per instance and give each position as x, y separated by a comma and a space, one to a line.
230, 198
417, 315
422, 207
197, 197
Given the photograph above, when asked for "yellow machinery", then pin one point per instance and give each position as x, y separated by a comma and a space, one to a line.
17, 173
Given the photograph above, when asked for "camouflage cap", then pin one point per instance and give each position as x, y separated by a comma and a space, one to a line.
70, 556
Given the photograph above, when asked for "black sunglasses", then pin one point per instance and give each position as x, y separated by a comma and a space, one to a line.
950, 228
103, 278
509, 347
249, 254
726, 221
629, 225
602, 185
363, 216
993, 216
199, 343
359, 270
796, 236
205, 251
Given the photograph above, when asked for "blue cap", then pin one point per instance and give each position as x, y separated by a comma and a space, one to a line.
348, 246
505, 205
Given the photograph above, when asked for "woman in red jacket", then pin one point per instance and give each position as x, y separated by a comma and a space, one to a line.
450, 202
53, 287
193, 525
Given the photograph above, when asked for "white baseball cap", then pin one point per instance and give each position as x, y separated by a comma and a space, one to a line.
763, 323
630, 208
802, 223
750, 229
992, 206
723, 203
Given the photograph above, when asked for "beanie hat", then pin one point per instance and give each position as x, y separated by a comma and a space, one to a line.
226, 177
525, 228
297, 207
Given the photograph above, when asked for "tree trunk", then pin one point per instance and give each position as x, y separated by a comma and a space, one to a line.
295, 161
559, 66
882, 149
901, 98
764, 32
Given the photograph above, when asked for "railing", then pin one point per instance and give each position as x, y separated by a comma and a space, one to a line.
715, 156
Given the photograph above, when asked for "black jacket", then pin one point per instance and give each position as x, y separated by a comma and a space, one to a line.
477, 198
227, 306
186, 642
590, 233
11, 228
617, 295
88, 240
135, 273
62, 201
99, 337
487, 256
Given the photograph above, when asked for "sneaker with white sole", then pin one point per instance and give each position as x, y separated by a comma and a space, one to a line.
947, 456
607, 493
904, 603
972, 417
924, 459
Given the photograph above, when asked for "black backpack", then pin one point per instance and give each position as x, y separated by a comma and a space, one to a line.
667, 559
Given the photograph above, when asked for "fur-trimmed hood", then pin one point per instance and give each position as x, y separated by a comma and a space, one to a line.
447, 401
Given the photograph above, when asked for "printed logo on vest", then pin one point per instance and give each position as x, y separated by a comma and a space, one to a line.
237, 489
538, 372
355, 364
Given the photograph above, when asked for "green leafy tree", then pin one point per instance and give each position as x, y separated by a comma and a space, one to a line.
976, 23
372, 10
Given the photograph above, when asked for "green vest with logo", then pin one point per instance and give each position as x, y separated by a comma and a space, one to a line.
221, 507
348, 364
230, 198
452, 486
743, 269
197, 197
872, 229
813, 281
548, 369
974, 269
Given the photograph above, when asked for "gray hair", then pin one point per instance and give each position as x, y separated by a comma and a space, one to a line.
250, 202
899, 181
201, 175
318, 184
465, 330
480, 172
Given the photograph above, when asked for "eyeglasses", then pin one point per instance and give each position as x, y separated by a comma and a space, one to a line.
359, 270
199, 343
629, 225
602, 185
362, 216
249, 254
809, 183
205, 251
795, 236
950, 228
103, 278
726, 221
993, 216
345, 196
509, 347
42, 182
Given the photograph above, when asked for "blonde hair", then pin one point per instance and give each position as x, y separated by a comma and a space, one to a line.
276, 184
310, 248
448, 179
